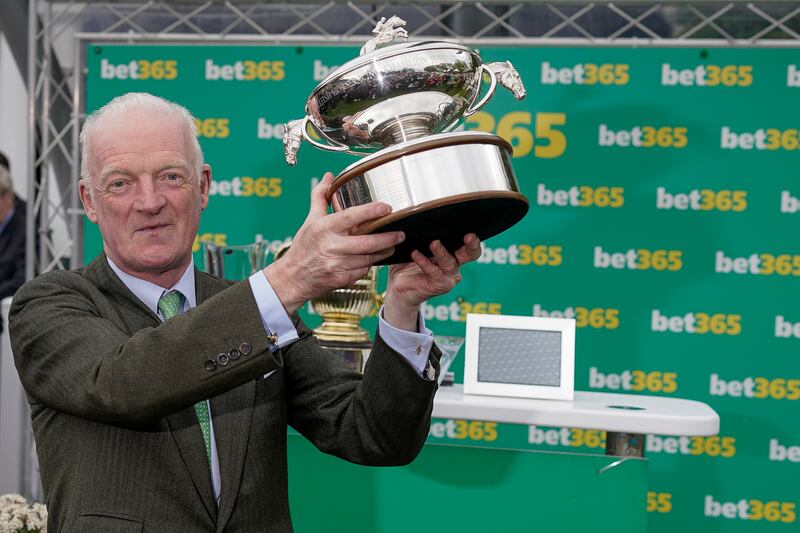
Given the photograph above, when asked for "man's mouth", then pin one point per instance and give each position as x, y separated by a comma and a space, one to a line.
152, 228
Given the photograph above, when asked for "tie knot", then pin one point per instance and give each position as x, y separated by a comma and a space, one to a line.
169, 304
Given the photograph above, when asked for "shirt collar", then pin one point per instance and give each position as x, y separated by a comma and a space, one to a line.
149, 293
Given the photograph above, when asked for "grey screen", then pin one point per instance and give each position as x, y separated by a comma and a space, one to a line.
519, 356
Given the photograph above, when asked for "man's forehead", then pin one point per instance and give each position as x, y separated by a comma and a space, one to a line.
135, 125
132, 133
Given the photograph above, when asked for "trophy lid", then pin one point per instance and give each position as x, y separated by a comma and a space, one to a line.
386, 52
394, 92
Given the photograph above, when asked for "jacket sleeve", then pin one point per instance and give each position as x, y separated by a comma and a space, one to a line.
73, 355
381, 418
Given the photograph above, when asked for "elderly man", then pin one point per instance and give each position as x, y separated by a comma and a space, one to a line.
160, 395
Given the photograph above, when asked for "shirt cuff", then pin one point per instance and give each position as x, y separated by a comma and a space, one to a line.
276, 321
415, 347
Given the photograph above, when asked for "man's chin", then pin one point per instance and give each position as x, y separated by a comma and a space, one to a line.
157, 263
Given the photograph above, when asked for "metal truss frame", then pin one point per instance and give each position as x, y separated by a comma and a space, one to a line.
54, 93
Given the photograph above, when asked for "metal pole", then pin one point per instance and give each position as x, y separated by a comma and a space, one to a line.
44, 122
75, 209
30, 219
30, 230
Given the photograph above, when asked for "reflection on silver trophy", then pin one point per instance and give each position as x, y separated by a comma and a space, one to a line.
397, 104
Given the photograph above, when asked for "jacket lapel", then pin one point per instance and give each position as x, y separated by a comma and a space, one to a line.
107, 280
231, 413
183, 424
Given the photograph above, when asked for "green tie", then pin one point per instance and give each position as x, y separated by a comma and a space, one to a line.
170, 305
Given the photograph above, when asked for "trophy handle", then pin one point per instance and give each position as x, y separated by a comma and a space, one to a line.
476, 107
334, 147
508, 77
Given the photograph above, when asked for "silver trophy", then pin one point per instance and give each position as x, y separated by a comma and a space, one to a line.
397, 104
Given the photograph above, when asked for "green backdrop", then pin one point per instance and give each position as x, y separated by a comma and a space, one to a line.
664, 199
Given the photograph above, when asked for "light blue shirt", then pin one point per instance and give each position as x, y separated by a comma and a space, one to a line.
415, 347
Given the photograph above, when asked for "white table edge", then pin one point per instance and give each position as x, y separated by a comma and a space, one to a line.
589, 410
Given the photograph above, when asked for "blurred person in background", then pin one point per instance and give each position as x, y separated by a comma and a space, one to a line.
12, 234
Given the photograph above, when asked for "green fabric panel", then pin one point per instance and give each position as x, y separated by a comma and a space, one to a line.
466, 489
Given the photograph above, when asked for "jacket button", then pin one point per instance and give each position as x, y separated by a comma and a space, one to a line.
222, 359
211, 365
245, 348
234, 354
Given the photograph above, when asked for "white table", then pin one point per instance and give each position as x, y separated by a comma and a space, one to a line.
626, 418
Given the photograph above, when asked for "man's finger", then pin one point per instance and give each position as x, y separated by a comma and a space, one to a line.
319, 198
471, 249
426, 265
345, 221
447, 263
367, 244
357, 262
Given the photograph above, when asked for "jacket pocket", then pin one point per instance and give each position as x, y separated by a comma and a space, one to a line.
101, 522
268, 385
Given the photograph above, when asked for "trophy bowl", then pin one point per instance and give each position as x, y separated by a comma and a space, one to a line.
394, 93
397, 104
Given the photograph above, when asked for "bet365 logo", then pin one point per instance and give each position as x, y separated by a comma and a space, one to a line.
586, 74
751, 509
139, 69
644, 137
246, 70
707, 76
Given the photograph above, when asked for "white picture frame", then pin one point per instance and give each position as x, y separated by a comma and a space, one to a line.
518, 356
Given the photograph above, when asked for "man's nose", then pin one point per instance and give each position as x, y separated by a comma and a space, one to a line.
150, 199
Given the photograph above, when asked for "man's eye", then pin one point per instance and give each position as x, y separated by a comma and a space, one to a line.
172, 177
117, 184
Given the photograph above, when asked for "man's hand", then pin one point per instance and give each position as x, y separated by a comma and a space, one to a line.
410, 284
324, 254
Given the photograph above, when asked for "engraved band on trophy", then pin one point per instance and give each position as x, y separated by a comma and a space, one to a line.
397, 104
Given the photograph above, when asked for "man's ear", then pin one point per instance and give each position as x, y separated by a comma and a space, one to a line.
85, 192
205, 185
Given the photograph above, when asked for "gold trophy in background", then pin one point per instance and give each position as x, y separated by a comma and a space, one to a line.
342, 310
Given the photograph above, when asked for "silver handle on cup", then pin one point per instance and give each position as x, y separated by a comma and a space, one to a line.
482, 102
333, 147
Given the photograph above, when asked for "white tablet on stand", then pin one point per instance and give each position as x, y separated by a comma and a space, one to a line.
520, 356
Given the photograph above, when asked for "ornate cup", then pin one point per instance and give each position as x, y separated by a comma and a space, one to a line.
397, 104
342, 310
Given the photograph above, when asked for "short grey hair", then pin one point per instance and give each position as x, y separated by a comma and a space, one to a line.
128, 102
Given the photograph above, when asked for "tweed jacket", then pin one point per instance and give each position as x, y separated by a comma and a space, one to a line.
111, 391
